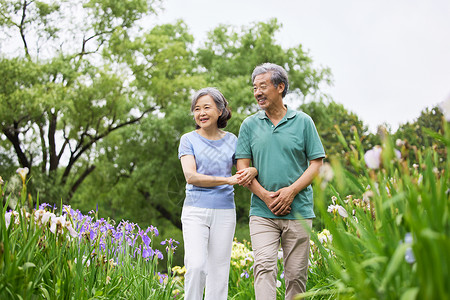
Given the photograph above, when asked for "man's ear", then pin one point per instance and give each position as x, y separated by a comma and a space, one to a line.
281, 87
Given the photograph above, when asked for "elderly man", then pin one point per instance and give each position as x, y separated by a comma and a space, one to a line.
284, 146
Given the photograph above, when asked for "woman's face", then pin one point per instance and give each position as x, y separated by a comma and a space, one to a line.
206, 112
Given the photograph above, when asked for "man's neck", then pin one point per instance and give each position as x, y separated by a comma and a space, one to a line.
276, 114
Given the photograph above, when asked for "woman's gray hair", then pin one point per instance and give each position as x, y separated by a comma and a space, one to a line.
219, 100
278, 75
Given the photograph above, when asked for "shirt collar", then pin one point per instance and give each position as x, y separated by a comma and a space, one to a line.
289, 114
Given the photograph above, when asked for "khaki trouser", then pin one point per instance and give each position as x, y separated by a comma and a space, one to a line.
266, 235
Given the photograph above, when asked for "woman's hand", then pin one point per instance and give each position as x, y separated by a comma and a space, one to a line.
233, 179
246, 176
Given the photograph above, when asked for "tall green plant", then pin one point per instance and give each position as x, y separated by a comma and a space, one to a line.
44, 255
391, 236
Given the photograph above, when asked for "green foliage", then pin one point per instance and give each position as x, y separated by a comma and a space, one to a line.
416, 137
42, 256
328, 115
230, 55
384, 231
57, 107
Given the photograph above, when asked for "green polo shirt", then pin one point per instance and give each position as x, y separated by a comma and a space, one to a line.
280, 154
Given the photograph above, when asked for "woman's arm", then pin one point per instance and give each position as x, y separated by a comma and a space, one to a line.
192, 177
246, 176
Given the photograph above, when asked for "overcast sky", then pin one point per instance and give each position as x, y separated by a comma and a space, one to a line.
390, 59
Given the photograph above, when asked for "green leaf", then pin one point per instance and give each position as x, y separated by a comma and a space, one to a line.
397, 259
410, 294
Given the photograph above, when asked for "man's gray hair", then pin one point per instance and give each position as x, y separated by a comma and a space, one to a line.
278, 75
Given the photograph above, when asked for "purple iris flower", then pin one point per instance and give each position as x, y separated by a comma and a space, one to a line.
44, 205
129, 227
158, 254
147, 253
170, 243
154, 230
92, 234
245, 274
102, 245
146, 240
161, 277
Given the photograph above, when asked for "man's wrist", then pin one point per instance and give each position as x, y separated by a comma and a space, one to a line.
294, 190
266, 197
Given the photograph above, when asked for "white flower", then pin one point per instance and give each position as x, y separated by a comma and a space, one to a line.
373, 157
8, 216
338, 209
23, 173
248, 258
67, 208
38, 215
47, 216
419, 181
326, 172
333, 199
278, 283
280, 254
72, 231
84, 258
325, 236
57, 223
399, 142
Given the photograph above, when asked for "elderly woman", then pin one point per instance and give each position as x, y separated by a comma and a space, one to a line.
209, 216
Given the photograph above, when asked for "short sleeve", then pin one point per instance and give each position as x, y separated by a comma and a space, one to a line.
314, 147
185, 147
243, 148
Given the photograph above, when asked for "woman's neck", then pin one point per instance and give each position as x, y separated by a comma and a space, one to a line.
211, 133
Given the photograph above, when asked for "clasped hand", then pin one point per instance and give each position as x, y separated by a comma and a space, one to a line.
280, 201
244, 177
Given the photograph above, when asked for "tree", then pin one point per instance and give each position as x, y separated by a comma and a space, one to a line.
61, 97
139, 176
416, 135
330, 117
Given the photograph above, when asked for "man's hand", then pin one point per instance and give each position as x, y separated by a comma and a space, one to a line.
282, 200
246, 176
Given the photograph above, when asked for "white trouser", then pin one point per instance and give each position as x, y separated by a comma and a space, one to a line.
208, 236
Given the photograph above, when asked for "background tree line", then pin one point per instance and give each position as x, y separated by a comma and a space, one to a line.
93, 102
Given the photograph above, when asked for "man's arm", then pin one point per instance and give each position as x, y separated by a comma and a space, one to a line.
256, 188
284, 196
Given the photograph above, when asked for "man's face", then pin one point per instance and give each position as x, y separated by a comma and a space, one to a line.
265, 92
